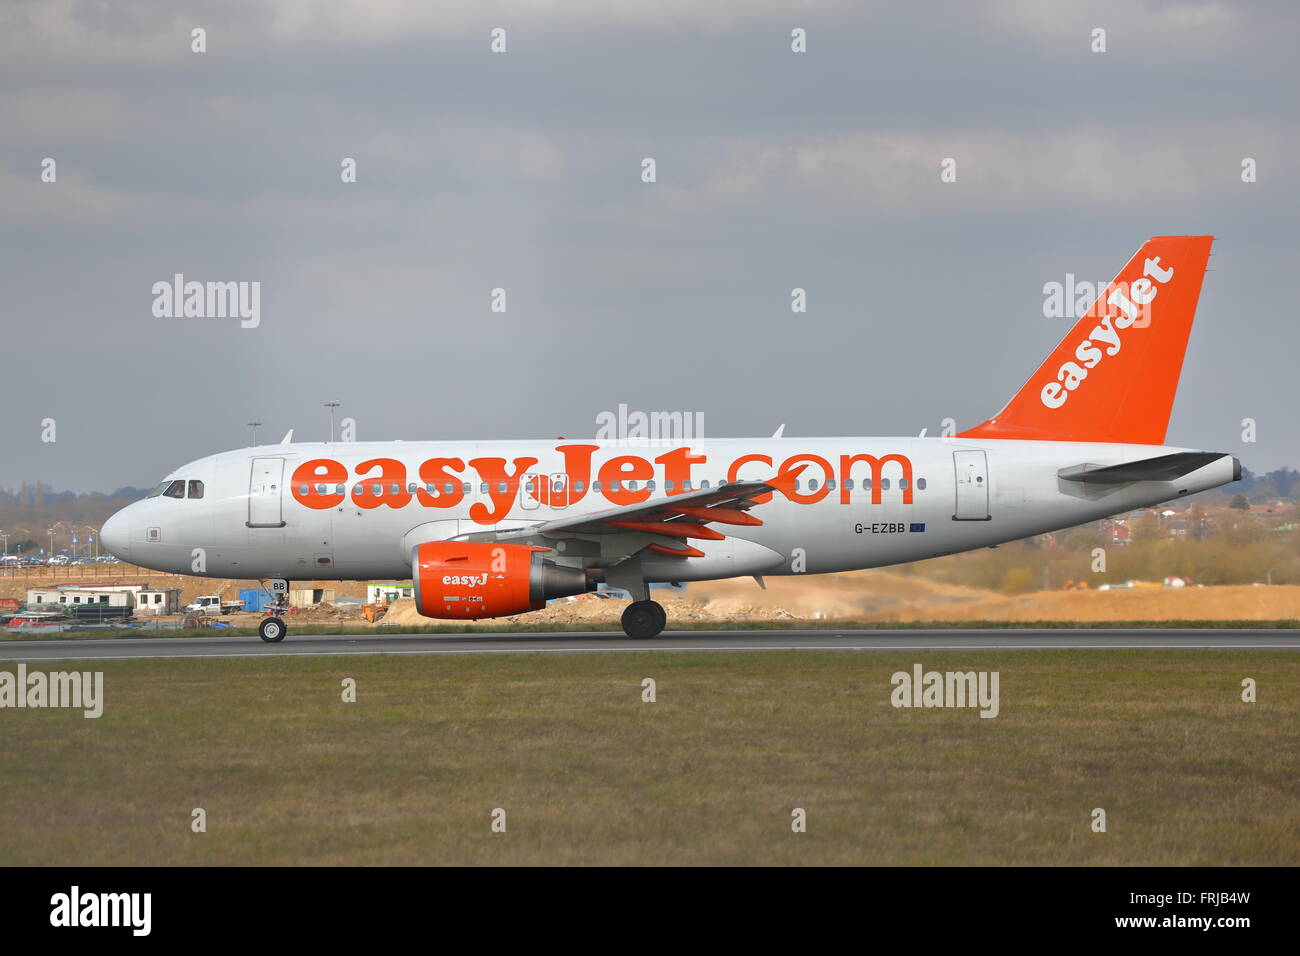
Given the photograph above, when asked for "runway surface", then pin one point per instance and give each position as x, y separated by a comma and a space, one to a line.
579, 642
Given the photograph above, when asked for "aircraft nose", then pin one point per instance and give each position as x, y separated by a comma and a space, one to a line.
115, 536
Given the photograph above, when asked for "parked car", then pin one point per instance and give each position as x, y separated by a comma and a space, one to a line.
212, 604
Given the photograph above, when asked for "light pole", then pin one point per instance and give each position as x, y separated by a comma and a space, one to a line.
331, 406
253, 426
5, 535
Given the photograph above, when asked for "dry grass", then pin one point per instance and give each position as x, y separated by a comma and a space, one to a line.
709, 774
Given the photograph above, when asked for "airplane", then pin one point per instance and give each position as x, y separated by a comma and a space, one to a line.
497, 528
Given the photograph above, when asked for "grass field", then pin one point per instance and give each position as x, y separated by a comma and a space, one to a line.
588, 773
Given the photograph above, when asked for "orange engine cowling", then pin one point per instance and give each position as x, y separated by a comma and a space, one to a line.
474, 579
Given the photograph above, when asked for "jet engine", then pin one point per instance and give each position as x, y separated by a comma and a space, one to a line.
475, 579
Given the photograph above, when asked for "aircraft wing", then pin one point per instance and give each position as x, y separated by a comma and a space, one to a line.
676, 518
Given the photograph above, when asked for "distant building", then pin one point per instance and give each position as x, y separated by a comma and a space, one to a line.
308, 597
141, 598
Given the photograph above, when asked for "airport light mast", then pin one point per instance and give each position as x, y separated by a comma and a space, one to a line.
331, 406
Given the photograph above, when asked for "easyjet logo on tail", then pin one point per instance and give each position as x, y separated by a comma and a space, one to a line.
1126, 306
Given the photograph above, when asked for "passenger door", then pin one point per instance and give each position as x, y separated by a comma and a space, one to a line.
265, 485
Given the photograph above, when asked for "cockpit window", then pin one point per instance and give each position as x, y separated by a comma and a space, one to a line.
175, 490
159, 490
196, 489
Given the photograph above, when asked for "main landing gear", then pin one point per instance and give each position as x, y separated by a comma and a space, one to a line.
273, 629
644, 619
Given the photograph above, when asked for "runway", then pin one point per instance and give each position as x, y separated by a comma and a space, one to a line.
318, 645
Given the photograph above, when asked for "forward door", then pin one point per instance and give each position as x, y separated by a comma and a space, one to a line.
264, 490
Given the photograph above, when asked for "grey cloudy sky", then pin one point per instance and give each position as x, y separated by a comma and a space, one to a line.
522, 170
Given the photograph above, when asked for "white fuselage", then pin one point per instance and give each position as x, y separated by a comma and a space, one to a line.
369, 504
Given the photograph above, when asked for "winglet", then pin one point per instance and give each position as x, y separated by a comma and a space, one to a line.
288, 438
784, 482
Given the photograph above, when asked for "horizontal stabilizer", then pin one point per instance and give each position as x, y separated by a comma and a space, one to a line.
1163, 468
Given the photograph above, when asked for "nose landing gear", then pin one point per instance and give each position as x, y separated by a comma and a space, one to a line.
273, 629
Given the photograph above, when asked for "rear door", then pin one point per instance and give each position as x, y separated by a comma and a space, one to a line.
265, 485
972, 486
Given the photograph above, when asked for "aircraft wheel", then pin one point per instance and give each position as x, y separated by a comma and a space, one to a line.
272, 630
644, 619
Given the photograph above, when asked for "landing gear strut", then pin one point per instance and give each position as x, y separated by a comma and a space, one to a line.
273, 629
644, 619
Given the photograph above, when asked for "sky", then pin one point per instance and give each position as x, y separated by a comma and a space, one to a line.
522, 170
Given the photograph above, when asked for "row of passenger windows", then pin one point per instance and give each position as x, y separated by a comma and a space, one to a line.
177, 488
449, 488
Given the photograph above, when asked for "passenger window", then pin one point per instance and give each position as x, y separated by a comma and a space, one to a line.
395, 488
483, 488
812, 484
529, 487
595, 486
614, 486
467, 488
358, 489
412, 488
196, 489
848, 483
669, 485
377, 490
175, 490
341, 489
704, 485
650, 486
686, 485
830, 485
902, 483
884, 484
322, 489
920, 484
578, 486
304, 490
501, 487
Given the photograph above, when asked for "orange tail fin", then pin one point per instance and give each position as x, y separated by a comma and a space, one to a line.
1113, 378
